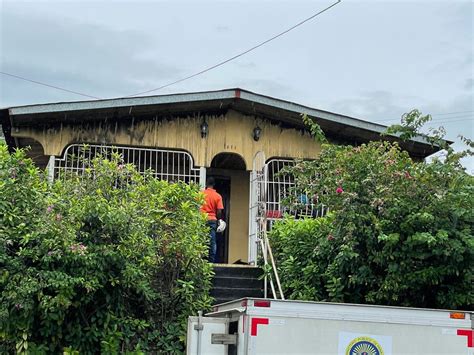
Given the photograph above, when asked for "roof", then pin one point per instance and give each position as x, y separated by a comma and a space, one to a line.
341, 127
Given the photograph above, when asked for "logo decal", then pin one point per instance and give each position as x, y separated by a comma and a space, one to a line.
364, 346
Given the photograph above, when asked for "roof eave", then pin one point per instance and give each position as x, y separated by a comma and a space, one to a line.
237, 95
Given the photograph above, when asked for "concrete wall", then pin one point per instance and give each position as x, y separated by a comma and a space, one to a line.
229, 133
239, 216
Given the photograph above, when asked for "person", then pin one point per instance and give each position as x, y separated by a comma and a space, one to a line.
213, 207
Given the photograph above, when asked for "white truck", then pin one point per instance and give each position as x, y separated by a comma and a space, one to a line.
251, 326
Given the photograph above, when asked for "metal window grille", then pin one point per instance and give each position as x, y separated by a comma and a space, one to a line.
270, 189
166, 165
280, 187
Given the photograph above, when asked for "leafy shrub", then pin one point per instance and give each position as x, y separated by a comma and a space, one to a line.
111, 261
399, 232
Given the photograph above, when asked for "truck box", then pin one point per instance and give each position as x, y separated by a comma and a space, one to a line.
251, 326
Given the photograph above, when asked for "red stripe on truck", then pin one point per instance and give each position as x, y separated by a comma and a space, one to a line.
254, 323
470, 336
257, 303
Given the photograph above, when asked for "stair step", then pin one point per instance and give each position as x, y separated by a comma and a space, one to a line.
231, 282
236, 282
235, 293
248, 271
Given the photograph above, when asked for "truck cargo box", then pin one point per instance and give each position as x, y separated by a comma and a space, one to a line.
262, 326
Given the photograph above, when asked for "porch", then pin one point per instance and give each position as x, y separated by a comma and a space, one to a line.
252, 198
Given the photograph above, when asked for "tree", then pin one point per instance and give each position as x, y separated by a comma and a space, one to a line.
109, 261
399, 232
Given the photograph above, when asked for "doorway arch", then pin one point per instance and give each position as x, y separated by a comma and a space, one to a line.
232, 182
231, 161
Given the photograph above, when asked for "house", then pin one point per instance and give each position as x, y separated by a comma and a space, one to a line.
241, 138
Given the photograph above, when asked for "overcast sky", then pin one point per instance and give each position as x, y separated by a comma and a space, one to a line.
373, 60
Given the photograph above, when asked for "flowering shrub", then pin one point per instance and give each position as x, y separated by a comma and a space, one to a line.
399, 232
110, 262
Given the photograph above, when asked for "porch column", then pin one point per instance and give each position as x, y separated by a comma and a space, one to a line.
202, 177
50, 168
253, 228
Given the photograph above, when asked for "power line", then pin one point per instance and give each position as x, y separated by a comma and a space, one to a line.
460, 120
237, 55
49, 85
451, 113
451, 117
436, 119
444, 121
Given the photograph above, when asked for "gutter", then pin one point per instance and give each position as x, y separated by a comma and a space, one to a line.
236, 94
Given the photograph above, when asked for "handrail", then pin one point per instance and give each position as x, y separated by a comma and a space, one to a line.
266, 249
275, 271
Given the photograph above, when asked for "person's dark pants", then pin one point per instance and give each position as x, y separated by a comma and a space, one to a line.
213, 243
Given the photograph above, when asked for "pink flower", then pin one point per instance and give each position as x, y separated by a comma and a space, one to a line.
339, 190
407, 175
78, 248
49, 209
330, 237
120, 167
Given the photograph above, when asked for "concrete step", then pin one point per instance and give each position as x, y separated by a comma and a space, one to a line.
239, 271
236, 282
235, 293
232, 282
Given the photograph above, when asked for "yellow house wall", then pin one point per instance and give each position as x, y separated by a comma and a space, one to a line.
227, 133
239, 216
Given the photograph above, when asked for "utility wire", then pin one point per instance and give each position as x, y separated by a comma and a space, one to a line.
48, 85
238, 55
438, 122
434, 119
460, 120
451, 113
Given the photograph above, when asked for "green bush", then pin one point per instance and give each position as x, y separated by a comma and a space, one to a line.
399, 232
108, 262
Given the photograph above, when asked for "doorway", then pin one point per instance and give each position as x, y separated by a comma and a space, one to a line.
232, 182
222, 186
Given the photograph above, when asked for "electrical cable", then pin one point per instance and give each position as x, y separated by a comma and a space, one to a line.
451, 113
434, 119
237, 55
471, 119
460, 120
49, 85
188, 77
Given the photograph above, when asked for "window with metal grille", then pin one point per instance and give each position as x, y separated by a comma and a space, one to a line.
280, 189
166, 165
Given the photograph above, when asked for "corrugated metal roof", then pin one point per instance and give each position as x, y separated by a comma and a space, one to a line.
121, 102
247, 101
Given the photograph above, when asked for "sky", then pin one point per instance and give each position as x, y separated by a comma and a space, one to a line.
370, 59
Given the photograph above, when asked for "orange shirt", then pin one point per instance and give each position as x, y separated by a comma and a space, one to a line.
212, 203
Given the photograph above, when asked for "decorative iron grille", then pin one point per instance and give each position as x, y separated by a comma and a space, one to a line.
280, 188
166, 165
273, 195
